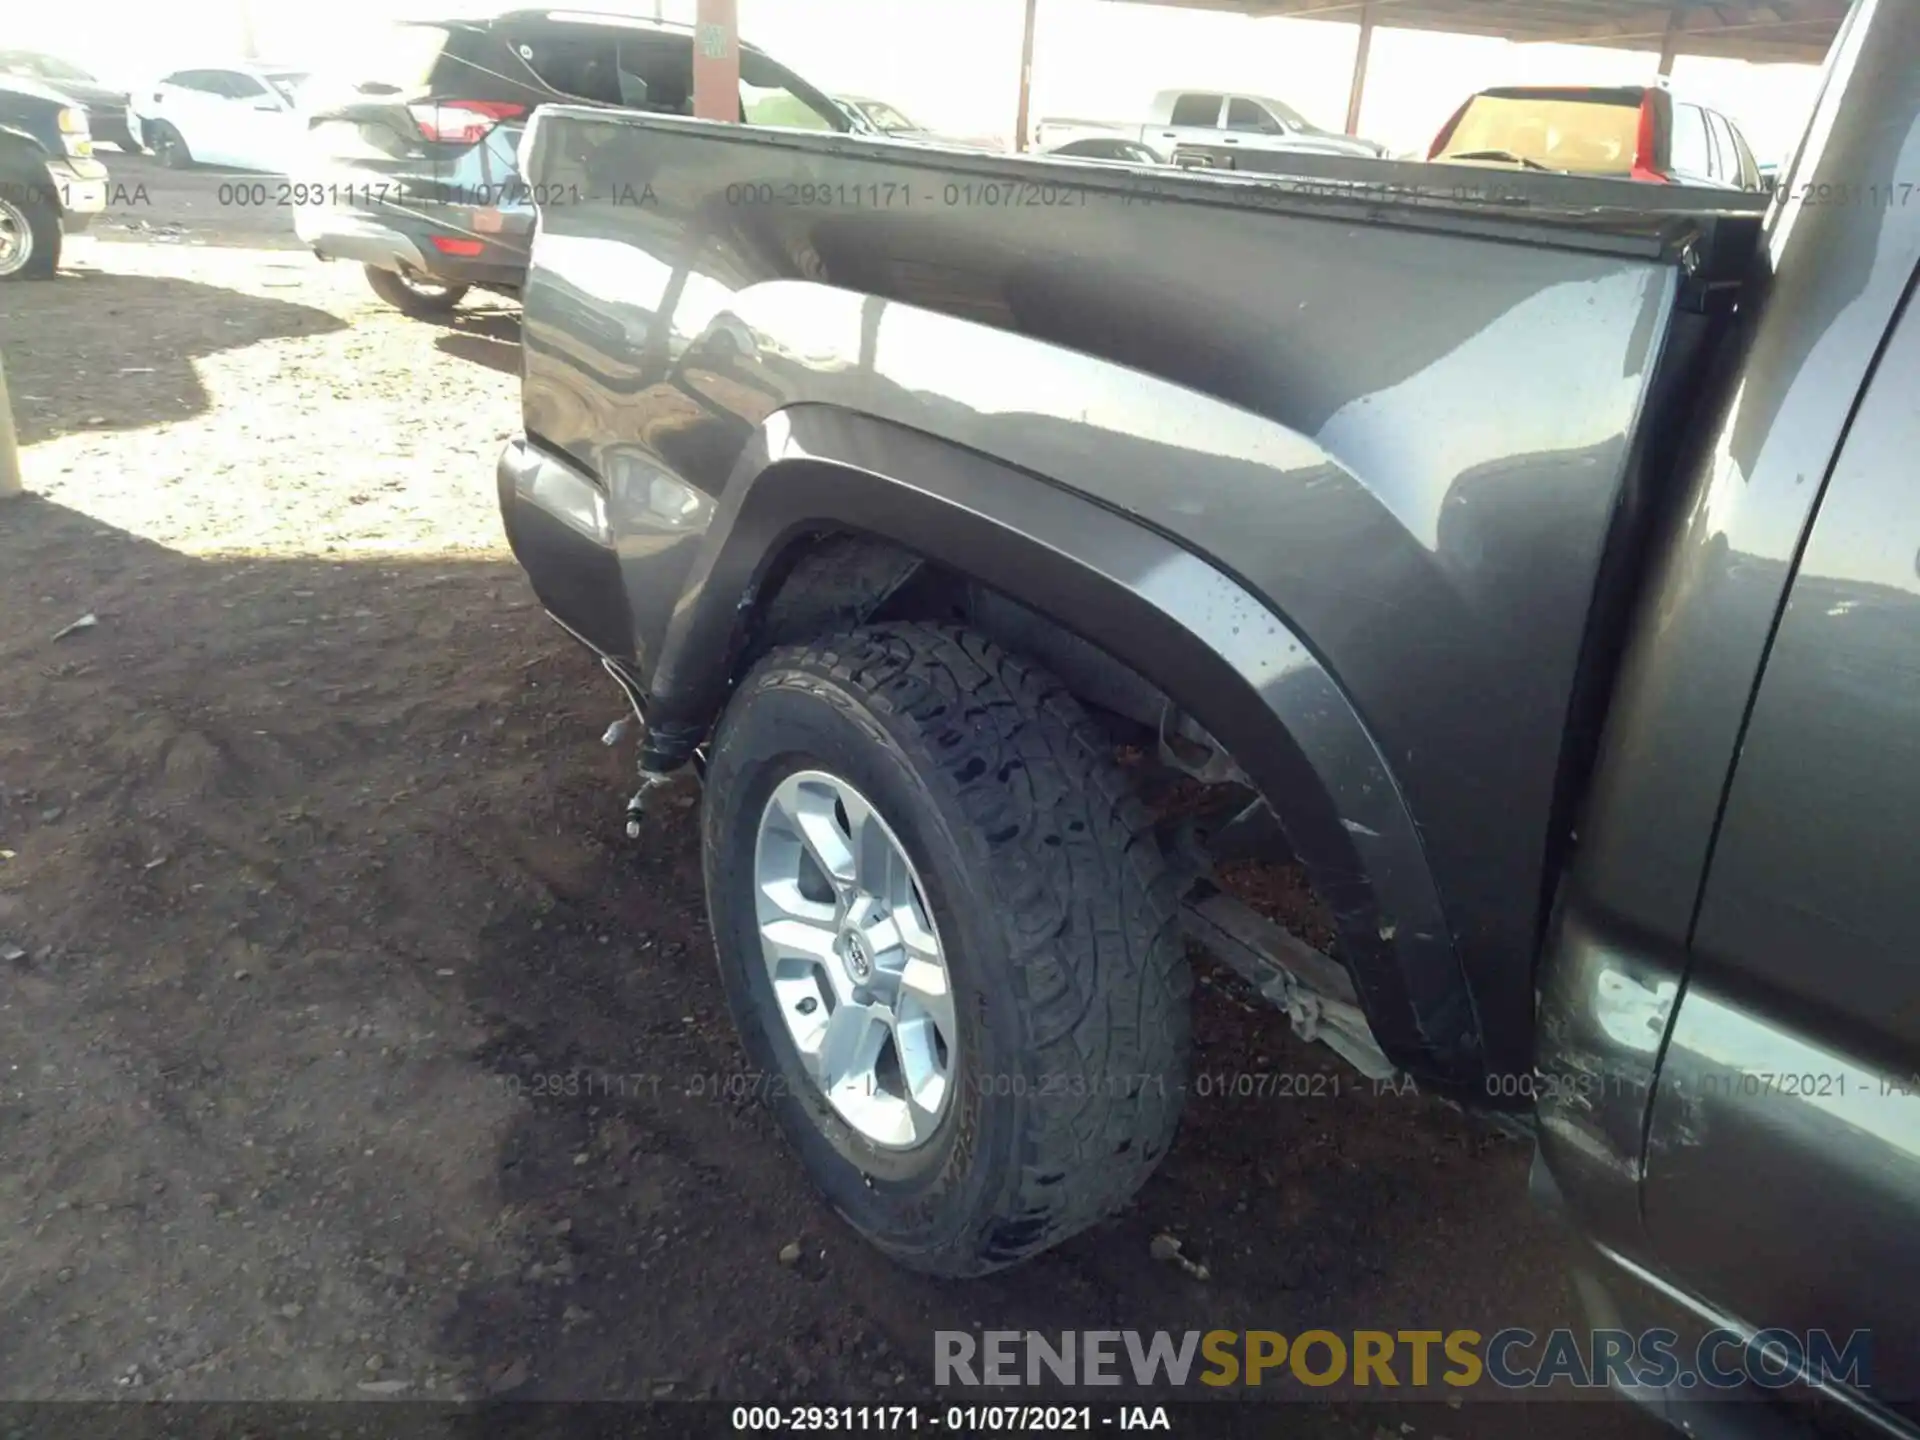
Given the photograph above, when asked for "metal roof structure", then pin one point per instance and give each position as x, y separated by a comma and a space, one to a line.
1765, 31
1762, 31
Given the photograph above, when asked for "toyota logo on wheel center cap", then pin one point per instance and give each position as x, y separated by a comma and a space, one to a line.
859, 963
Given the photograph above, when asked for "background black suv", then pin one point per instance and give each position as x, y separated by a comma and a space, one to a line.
411, 167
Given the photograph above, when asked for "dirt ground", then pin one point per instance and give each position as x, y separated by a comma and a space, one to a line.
347, 1047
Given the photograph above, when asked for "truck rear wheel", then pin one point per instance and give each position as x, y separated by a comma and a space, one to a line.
949, 941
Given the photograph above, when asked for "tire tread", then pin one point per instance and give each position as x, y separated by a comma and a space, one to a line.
1090, 915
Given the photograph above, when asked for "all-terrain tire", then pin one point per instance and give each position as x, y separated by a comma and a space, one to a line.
411, 300
1055, 907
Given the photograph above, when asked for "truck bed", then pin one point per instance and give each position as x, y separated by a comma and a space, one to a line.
1421, 412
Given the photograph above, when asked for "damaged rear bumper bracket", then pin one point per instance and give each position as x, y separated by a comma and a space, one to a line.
650, 780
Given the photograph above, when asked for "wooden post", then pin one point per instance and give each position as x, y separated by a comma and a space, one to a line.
1672, 36
716, 61
1359, 87
1021, 121
9, 444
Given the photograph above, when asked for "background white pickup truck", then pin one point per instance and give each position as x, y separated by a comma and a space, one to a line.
1209, 117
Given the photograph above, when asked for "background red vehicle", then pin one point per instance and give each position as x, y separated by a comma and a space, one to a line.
1636, 132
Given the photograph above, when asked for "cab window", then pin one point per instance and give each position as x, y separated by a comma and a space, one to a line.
1691, 151
1199, 111
1246, 115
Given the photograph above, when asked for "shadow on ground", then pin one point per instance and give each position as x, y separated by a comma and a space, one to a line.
484, 337
654, 1185
253, 822
363, 1052
128, 347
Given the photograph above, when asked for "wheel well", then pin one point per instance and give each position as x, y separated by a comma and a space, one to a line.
838, 580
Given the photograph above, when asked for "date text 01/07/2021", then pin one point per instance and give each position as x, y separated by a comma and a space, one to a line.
951, 1419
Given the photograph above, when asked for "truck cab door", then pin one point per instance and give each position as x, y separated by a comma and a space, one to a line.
1782, 1177
1195, 120
1249, 123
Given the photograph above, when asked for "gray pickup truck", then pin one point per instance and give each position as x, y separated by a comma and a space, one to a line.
1531, 559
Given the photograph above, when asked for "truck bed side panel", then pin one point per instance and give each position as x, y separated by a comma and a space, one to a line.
1410, 443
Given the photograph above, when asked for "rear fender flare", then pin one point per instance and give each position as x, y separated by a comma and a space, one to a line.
1183, 623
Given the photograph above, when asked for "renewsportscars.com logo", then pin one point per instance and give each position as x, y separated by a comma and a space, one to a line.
1512, 1359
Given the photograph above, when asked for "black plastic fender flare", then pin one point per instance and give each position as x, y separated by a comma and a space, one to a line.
1183, 623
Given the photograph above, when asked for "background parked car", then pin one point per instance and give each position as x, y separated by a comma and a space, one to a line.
412, 159
889, 121
106, 107
1093, 147
245, 116
1638, 132
50, 184
1209, 117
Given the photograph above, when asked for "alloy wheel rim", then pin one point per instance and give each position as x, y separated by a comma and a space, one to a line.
855, 960
16, 238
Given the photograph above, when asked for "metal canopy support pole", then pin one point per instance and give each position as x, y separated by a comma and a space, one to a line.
716, 61
1672, 36
9, 446
249, 33
1359, 87
1020, 121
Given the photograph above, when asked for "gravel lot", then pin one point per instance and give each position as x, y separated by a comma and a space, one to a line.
315, 858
